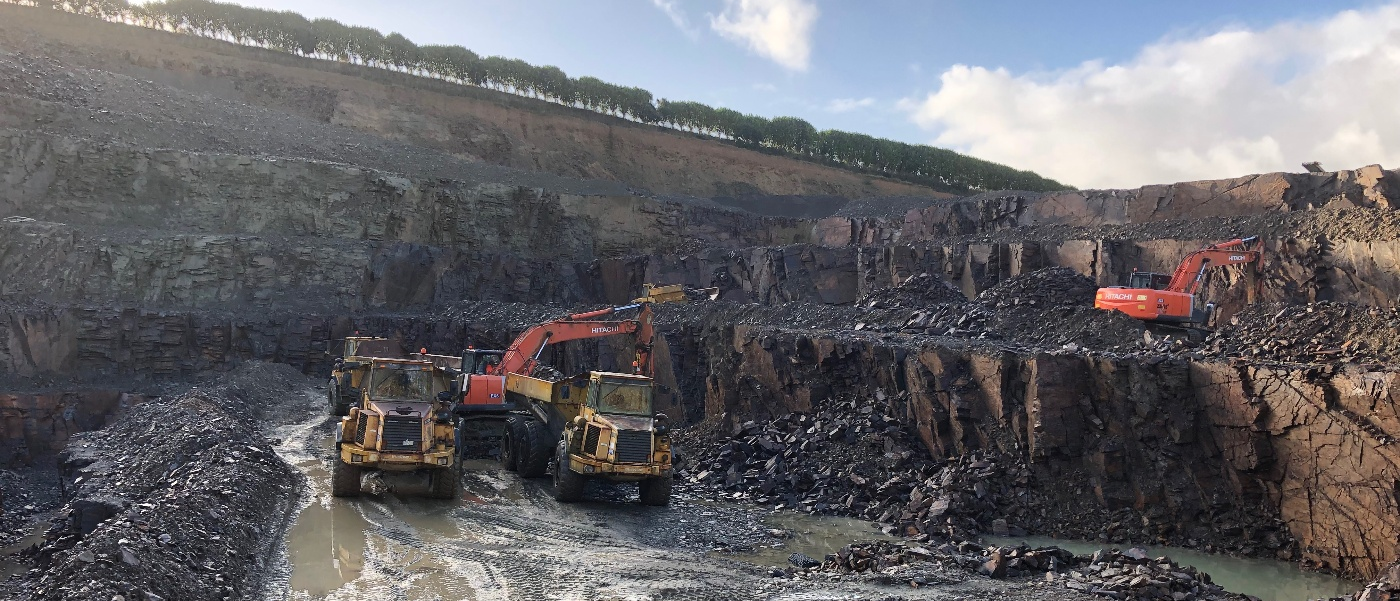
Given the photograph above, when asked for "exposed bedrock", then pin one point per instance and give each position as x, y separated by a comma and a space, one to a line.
79, 182
1194, 442
1295, 270
36, 424
1367, 187
188, 230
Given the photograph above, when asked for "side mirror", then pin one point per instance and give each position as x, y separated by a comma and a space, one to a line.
579, 422
444, 396
661, 417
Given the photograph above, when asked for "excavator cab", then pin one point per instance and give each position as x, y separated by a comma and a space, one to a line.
1149, 280
477, 361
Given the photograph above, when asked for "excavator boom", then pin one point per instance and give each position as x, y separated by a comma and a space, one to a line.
1189, 274
523, 354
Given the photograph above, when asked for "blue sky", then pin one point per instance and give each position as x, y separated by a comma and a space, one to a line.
881, 67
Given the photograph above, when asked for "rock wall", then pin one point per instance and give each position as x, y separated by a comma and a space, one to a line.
36, 424
1198, 445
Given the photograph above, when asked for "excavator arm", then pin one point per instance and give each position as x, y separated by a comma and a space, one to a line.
1187, 277
523, 354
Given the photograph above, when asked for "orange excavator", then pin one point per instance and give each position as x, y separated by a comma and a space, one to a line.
484, 371
1171, 301
479, 392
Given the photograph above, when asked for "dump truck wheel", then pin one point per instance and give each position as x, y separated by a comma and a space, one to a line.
568, 484
532, 449
334, 404
509, 447
345, 479
444, 484
656, 491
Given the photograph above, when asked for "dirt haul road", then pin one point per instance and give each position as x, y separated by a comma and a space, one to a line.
507, 539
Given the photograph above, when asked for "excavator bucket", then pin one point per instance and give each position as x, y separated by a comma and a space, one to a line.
708, 294
675, 293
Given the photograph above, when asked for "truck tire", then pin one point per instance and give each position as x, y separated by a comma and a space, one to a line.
334, 404
568, 484
345, 479
656, 491
444, 483
509, 447
533, 449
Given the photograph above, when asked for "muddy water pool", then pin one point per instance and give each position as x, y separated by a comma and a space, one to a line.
1267, 579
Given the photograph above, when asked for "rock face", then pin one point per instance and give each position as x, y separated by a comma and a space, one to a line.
39, 424
1200, 445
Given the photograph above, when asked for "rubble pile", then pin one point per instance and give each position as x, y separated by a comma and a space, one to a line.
854, 458
24, 493
1384, 588
919, 291
1109, 573
1049, 287
1052, 307
1321, 332
181, 498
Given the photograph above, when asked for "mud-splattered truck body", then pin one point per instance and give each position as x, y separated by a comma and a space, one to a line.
593, 425
403, 423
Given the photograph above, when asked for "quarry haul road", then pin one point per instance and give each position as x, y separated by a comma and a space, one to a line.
507, 539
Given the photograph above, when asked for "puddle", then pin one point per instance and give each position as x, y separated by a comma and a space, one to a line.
326, 544
10, 564
1264, 578
812, 535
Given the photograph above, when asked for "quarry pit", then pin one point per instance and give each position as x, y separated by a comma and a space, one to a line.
185, 224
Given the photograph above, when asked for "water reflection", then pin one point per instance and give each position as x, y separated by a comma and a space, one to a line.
1267, 579
326, 545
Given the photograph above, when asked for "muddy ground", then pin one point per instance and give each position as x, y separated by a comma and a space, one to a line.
231, 518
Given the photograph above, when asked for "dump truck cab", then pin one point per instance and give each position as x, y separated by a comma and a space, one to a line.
403, 423
351, 366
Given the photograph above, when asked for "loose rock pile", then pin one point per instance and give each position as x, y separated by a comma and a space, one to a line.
1049, 287
1114, 574
1322, 332
1384, 588
178, 499
1051, 307
854, 458
918, 291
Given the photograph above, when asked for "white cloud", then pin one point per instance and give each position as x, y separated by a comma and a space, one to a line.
1231, 103
673, 12
844, 105
780, 30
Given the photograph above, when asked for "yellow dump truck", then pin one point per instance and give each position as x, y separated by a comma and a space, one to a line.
593, 425
402, 425
350, 368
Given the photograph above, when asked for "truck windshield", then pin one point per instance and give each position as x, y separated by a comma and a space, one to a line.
626, 398
401, 382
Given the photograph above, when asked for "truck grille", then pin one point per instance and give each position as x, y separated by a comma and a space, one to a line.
399, 433
590, 441
360, 429
633, 446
